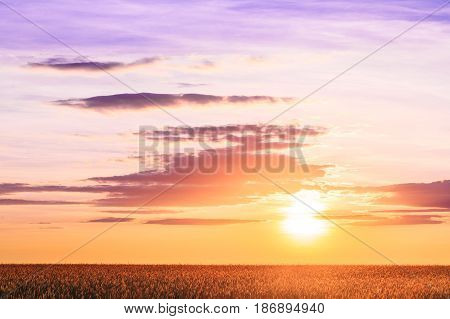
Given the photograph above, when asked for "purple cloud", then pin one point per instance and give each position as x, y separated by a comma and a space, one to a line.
435, 194
139, 101
63, 64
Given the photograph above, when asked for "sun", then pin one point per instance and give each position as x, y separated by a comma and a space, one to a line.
301, 221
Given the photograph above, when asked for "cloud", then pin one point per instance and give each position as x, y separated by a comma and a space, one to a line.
110, 220
435, 194
217, 176
226, 182
423, 210
213, 132
140, 211
189, 85
239, 138
226, 175
408, 10
205, 64
12, 188
140, 101
433, 197
63, 64
199, 221
349, 217
199, 188
402, 220
10, 201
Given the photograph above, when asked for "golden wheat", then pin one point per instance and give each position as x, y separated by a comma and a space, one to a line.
172, 281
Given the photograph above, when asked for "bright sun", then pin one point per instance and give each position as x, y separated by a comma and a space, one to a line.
301, 221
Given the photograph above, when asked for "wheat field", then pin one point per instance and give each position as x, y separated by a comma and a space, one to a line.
183, 281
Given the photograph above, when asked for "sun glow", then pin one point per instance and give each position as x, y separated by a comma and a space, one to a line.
301, 221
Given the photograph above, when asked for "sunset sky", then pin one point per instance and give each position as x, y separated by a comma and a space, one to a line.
79, 79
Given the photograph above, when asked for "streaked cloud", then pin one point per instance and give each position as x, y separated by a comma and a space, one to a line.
63, 64
403, 220
189, 85
13, 201
199, 221
416, 210
110, 220
349, 217
205, 64
140, 101
144, 211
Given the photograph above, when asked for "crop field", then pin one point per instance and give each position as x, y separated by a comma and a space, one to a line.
178, 281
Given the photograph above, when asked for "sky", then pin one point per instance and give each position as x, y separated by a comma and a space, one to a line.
111, 113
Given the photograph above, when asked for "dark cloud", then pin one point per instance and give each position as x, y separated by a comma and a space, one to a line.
200, 221
148, 100
94, 66
403, 220
110, 220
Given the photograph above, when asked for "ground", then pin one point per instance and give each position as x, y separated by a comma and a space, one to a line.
232, 281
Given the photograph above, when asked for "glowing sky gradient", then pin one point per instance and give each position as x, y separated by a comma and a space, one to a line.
377, 149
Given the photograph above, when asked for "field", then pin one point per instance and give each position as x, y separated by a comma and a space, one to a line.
177, 281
